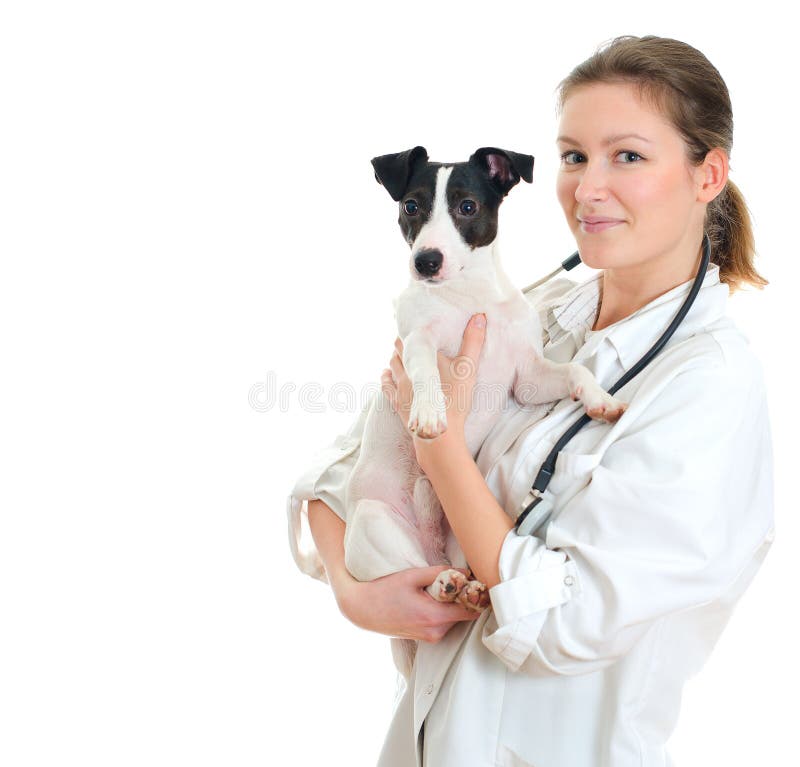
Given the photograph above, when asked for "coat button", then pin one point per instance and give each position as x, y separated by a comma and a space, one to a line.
569, 580
429, 689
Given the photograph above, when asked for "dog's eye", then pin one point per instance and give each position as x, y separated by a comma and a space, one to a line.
468, 207
410, 207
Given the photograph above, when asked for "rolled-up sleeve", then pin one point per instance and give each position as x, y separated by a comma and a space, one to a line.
533, 579
325, 479
677, 515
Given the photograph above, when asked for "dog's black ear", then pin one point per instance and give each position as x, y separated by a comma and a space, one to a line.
394, 170
504, 168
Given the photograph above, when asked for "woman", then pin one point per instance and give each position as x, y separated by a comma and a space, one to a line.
659, 521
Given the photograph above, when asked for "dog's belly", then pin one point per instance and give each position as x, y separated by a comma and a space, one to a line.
387, 466
477, 427
505, 344
382, 535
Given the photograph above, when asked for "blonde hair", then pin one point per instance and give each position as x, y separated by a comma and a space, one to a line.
687, 89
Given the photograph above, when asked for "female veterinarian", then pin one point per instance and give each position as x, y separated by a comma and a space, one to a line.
659, 521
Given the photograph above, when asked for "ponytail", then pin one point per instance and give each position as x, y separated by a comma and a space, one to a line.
730, 229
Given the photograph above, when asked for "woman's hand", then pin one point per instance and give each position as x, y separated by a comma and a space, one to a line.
457, 375
398, 606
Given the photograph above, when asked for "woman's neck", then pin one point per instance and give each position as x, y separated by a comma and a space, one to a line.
625, 290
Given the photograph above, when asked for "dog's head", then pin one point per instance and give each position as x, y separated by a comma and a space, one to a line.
448, 211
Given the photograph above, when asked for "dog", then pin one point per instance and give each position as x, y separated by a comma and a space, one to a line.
448, 214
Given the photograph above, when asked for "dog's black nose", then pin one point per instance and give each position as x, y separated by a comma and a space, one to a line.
428, 262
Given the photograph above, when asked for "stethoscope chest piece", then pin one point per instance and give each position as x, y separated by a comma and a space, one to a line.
535, 514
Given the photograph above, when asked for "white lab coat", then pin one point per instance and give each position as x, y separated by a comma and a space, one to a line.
660, 522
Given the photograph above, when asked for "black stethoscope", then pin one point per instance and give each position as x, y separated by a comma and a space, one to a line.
535, 510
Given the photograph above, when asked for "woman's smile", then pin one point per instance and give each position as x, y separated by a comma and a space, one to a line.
600, 226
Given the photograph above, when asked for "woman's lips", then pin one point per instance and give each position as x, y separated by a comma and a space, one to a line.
600, 226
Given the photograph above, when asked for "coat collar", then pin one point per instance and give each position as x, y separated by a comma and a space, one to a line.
574, 313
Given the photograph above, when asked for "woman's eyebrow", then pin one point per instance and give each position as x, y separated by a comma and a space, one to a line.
606, 141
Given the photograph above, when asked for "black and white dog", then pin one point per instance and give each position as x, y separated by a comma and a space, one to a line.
448, 216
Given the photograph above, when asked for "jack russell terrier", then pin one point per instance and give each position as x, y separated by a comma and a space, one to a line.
448, 217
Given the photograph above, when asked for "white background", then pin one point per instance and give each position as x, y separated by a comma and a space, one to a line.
187, 211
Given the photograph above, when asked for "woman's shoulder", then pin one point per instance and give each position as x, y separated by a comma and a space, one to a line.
555, 291
731, 347
717, 361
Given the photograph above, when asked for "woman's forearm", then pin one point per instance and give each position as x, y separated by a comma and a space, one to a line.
327, 530
479, 523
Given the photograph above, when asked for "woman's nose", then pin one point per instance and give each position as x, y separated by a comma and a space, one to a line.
592, 184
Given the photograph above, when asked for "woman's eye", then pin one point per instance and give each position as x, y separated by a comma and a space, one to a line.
468, 207
410, 207
566, 155
573, 158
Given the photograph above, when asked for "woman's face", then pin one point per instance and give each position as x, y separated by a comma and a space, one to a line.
644, 183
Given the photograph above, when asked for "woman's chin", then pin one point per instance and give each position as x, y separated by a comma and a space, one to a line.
599, 250
595, 258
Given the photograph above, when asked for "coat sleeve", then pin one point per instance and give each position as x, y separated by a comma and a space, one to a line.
677, 514
325, 478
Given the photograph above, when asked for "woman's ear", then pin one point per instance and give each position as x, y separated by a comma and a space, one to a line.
712, 175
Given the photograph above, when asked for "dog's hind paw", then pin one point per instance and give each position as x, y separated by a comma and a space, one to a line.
474, 596
447, 586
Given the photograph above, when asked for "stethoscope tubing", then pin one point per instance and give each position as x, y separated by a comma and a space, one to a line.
548, 467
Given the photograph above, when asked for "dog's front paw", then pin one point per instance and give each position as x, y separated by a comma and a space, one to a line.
447, 586
604, 407
609, 412
474, 596
426, 420
599, 404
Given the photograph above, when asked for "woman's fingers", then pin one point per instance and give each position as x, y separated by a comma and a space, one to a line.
446, 614
396, 362
389, 388
452, 612
396, 365
474, 336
